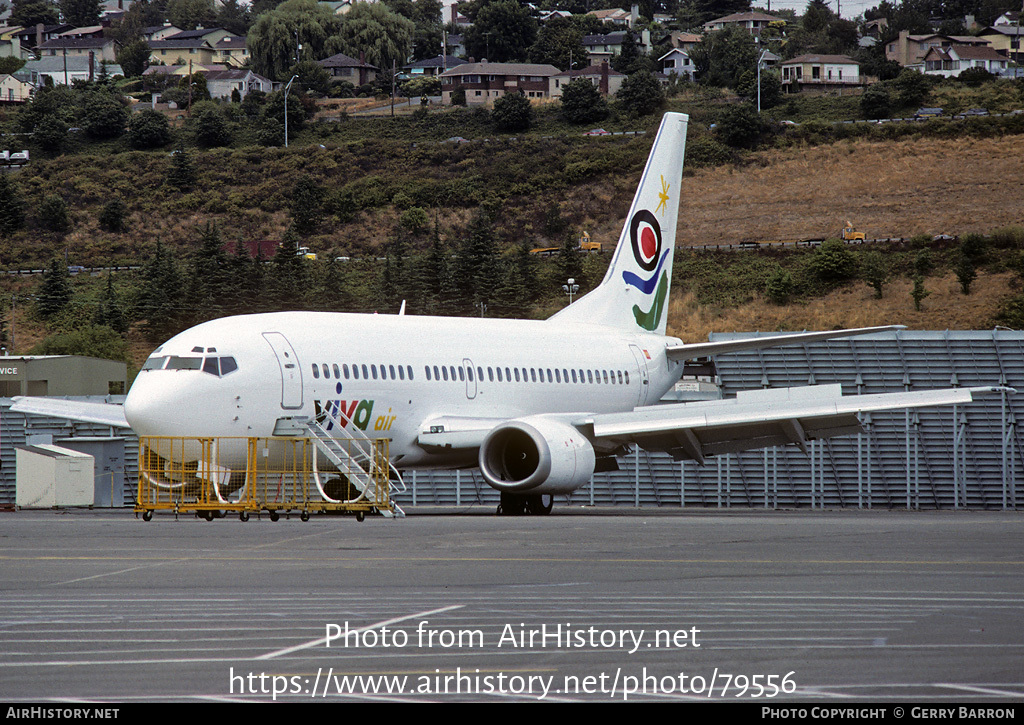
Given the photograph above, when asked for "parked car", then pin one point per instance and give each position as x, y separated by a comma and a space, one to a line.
597, 132
927, 113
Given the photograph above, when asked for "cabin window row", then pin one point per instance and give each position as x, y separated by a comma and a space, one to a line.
362, 372
526, 375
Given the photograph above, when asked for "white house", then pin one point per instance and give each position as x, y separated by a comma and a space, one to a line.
677, 61
952, 61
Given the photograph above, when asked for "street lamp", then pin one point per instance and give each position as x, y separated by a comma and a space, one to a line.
570, 288
286, 89
760, 60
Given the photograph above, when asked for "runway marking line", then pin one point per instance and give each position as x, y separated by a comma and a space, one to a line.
386, 622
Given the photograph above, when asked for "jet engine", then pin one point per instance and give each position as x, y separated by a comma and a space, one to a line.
536, 455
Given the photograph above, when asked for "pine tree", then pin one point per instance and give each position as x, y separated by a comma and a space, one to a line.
288, 280
12, 208
159, 299
307, 205
210, 283
109, 312
55, 292
182, 174
476, 266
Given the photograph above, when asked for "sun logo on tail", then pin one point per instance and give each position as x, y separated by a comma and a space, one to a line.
646, 240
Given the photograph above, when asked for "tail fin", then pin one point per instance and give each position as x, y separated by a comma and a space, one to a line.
634, 293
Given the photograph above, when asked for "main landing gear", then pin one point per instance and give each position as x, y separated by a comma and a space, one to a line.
535, 505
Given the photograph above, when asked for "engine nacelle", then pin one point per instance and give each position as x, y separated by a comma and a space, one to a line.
535, 456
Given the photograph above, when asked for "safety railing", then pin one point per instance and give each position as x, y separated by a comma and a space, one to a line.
274, 475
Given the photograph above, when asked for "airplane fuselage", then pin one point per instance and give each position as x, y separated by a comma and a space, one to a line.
390, 376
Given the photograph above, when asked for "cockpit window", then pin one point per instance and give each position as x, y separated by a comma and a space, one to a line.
154, 363
174, 362
227, 365
211, 366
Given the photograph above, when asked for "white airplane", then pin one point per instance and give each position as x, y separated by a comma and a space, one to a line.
539, 406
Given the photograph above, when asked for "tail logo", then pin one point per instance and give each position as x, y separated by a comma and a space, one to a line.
646, 240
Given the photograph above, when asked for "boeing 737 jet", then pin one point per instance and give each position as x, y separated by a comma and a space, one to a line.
539, 406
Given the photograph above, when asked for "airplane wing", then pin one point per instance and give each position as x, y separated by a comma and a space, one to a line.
757, 419
689, 351
103, 413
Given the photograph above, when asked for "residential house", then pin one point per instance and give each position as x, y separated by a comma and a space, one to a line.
159, 32
433, 66
952, 61
1011, 17
820, 73
603, 47
36, 35
356, 72
684, 41
486, 82
89, 31
65, 70
677, 61
14, 90
1005, 39
616, 16
210, 35
221, 83
179, 51
455, 45
753, 22
909, 50
100, 48
232, 51
607, 80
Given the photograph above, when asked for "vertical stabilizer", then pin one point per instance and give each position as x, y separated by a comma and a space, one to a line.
634, 293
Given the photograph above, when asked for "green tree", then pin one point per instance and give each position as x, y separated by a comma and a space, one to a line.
558, 41
372, 28
209, 127
104, 115
873, 270
148, 129
966, 272
311, 76
307, 205
187, 14
779, 286
911, 87
272, 37
833, 261
92, 341
55, 292
12, 208
114, 216
110, 313
875, 102
182, 174
475, 275
918, 293
502, 32
210, 284
80, 13
53, 214
640, 94
721, 57
159, 299
771, 87
133, 57
28, 13
512, 112
582, 102
740, 126
630, 59
51, 134
288, 280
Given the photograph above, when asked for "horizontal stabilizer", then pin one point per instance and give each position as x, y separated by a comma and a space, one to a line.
103, 413
704, 349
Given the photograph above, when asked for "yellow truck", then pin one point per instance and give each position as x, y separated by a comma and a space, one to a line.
850, 234
583, 245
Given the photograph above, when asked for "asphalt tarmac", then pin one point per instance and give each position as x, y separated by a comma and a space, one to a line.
582, 605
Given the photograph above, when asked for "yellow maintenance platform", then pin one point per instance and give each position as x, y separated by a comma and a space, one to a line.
277, 475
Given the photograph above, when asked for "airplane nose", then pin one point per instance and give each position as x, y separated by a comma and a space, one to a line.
156, 406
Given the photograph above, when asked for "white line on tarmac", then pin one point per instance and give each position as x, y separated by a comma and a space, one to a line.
323, 640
